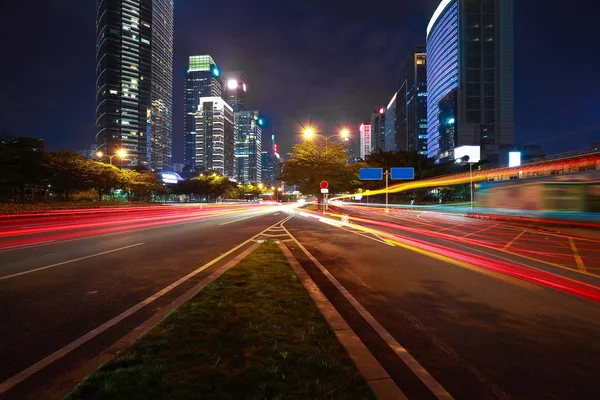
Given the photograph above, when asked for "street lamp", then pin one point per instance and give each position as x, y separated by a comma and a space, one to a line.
121, 153
310, 133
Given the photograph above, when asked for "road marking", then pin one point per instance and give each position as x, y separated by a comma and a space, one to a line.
241, 219
68, 262
450, 227
38, 366
25, 245
578, 260
481, 230
514, 240
369, 366
432, 384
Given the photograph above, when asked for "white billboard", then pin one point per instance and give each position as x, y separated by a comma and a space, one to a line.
514, 159
473, 152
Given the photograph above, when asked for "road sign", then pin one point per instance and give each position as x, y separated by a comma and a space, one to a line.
371, 174
402, 173
357, 196
324, 191
324, 184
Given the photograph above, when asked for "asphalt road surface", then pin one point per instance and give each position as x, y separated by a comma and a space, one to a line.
451, 307
63, 277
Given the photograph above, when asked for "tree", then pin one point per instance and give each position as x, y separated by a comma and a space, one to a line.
321, 160
69, 171
105, 178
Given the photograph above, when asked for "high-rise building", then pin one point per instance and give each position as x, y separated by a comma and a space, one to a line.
215, 141
248, 145
134, 80
236, 86
350, 145
378, 129
470, 53
389, 140
411, 109
365, 140
202, 79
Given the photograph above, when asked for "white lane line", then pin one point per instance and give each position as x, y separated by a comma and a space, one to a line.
240, 219
432, 384
25, 245
68, 262
38, 366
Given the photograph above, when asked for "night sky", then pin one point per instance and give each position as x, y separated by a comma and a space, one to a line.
327, 60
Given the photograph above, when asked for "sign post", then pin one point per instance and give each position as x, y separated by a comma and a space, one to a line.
377, 174
325, 191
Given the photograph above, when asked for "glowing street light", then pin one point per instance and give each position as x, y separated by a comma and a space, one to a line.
308, 133
121, 153
345, 133
260, 185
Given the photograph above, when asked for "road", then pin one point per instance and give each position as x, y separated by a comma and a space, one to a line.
480, 333
65, 276
451, 307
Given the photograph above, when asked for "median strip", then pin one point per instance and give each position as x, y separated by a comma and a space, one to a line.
253, 333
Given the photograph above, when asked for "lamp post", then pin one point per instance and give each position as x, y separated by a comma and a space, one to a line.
121, 153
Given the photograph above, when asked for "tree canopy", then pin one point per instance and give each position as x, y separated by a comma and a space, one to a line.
314, 161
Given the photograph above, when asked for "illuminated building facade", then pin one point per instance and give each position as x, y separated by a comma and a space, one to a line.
470, 52
378, 129
248, 144
236, 86
390, 125
215, 141
134, 79
365, 140
202, 79
411, 110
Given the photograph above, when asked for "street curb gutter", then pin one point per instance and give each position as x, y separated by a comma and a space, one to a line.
382, 385
122, 344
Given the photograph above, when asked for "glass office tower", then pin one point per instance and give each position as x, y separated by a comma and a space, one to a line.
134, 79
248, 144
236, 86
470, 51
411, 115
202, 79
215, 141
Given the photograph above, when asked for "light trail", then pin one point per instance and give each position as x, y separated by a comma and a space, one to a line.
528, 274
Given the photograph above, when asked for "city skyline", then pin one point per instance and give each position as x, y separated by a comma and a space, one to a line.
67, 121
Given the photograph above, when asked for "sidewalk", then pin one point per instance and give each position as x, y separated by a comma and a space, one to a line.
254, 332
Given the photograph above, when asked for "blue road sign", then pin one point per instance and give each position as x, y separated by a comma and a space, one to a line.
371, 174
402, 173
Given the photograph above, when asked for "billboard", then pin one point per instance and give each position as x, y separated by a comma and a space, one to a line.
473, 152
514, 159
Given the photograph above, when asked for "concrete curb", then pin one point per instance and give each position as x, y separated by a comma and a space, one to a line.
382, 385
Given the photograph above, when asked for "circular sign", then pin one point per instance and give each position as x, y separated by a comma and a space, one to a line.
324, 185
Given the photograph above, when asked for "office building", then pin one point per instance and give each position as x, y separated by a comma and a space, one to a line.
236, 86
215, 140
248, 145
389, 141
411, 109
378, 129
134, 80
470, 67
202, 79
365, 140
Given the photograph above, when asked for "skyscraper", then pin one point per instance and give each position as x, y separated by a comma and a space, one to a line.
134, 79
470, 67
236, 86
215, 142
411, 109
378, 129
248, 144
202, 79
365, 140
390, 125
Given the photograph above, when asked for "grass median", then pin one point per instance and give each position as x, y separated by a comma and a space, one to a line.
254, 333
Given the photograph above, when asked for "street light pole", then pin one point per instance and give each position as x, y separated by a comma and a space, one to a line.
387, 181
471, 177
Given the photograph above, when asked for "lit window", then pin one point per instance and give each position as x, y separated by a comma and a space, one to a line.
114, 92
